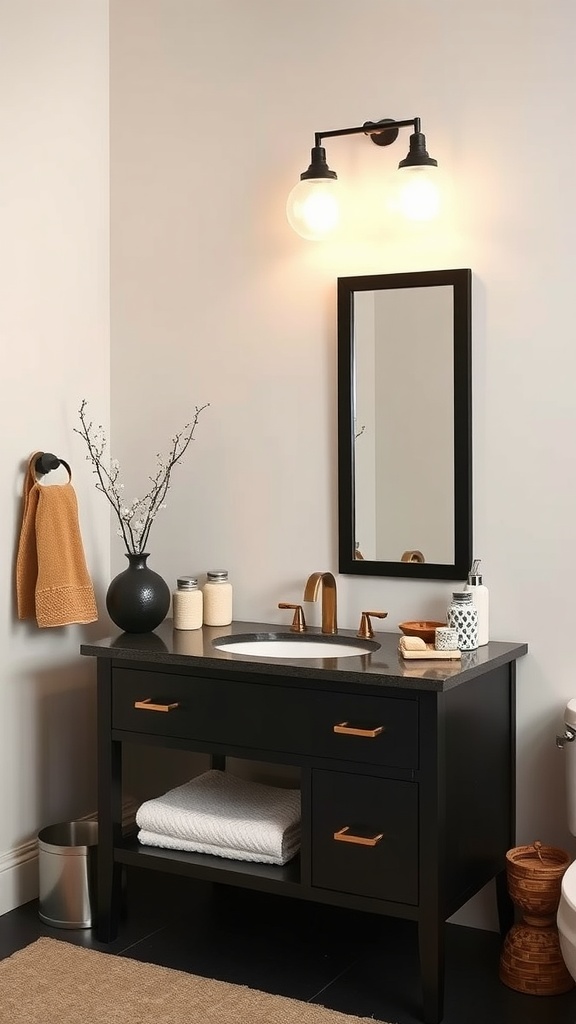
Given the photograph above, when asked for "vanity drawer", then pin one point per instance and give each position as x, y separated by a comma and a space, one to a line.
365, 729
369, 730
376, 822
250, 715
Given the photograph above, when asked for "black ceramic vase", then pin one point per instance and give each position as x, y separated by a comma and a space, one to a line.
138, 599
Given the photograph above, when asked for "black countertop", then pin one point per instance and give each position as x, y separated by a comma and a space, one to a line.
194, 649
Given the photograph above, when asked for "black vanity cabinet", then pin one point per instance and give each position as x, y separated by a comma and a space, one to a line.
406, 770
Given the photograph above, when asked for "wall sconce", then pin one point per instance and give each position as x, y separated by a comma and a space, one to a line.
313, 206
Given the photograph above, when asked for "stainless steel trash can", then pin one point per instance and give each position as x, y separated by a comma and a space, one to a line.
67, 869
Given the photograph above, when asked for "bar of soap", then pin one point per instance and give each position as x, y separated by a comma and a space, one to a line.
412, 643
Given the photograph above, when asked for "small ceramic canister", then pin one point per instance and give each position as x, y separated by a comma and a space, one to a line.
462, 615
446, 638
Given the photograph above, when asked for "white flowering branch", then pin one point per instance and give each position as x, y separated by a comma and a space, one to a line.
135, 520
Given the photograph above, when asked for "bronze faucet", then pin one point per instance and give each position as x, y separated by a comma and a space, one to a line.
328, 583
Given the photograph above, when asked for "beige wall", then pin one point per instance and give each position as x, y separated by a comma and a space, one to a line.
54, 331
214, 107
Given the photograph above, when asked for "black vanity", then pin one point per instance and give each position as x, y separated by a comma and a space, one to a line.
419, 753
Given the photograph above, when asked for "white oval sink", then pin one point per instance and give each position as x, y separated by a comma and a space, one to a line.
288, 645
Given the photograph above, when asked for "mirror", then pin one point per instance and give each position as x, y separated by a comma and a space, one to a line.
404, 425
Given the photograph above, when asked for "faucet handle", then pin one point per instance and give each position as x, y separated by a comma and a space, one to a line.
365, 631
298, 622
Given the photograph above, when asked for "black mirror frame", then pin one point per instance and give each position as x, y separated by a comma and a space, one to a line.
461, 281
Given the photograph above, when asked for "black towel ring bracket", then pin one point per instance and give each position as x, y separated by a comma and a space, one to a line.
47, 462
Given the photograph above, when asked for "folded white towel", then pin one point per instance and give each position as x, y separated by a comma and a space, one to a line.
224, 815
290, 847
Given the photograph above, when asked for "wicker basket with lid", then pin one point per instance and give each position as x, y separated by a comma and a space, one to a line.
531, 960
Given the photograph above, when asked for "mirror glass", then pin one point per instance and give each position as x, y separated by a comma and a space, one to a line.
404, 411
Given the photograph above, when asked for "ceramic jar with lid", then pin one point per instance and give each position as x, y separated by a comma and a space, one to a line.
187, 604
462, 615
217, 598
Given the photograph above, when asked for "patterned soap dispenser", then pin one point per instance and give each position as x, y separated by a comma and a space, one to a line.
462, 615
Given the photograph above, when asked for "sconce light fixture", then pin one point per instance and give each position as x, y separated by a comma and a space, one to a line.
313, 206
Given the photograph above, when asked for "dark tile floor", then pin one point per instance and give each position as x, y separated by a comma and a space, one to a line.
356, 963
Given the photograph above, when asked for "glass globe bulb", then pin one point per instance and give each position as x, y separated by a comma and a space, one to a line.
418, 193
313, 208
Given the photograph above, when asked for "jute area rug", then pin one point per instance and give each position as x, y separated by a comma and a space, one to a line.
54, 982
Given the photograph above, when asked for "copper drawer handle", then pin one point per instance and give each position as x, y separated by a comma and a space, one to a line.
350, 730
147, 705
344, 836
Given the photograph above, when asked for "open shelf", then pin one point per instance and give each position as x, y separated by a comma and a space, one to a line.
284, 879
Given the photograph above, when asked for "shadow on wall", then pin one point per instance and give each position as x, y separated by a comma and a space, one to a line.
62, 741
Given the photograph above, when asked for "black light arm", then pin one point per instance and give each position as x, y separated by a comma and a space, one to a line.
382, 132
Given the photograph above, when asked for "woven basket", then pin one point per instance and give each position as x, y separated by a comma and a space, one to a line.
531, 960
534, 875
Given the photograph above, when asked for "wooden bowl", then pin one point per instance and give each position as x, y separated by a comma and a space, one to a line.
425, 629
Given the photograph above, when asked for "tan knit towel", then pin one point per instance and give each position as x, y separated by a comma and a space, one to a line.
52, 581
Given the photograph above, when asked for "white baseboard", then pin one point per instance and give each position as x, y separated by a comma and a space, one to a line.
18, 876
19, 867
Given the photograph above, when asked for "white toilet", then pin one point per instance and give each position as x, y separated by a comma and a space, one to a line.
566, 918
